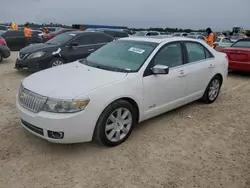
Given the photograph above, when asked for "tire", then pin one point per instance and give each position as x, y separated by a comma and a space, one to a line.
58, 61
1, 56
215, 85
107, 126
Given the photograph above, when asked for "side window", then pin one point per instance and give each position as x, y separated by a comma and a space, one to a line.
99, 38
154, 33
208, 54
83, 40
195, 52
170, 55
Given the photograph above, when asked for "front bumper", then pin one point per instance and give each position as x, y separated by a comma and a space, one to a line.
33, 65
6, 52
76, 127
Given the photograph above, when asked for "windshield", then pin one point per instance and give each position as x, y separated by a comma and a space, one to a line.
61, 39
242, 44
121, 55
140, 33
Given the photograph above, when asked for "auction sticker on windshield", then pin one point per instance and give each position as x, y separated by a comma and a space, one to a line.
136, 50
72, 34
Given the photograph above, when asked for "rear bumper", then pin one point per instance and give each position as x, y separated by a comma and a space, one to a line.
240, 66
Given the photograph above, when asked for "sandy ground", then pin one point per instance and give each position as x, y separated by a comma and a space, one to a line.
194, 146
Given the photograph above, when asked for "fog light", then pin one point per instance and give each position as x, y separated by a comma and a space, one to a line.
55, 135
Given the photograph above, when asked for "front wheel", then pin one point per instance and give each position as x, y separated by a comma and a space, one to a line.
115, 123
213, 90
56, 62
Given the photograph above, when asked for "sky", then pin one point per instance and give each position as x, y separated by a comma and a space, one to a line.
194, 14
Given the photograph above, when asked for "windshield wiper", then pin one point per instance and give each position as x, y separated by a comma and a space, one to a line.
91, 64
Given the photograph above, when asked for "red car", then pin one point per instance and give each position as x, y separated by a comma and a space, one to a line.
50, 35
239, 55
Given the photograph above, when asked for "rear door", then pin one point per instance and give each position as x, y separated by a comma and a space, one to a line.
10, 39
200, 69
99, 40
19, 39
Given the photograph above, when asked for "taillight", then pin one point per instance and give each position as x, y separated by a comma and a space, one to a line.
2, 42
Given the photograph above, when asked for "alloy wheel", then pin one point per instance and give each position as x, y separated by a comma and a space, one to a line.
118, 124
214, 89
57, 63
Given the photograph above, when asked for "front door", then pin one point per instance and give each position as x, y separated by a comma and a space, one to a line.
165, 92
83, 48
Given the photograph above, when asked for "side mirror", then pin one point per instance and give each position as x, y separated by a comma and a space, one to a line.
73, 44
160, 69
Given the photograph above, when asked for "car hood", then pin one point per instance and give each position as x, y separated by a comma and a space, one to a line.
70, 80
38, 47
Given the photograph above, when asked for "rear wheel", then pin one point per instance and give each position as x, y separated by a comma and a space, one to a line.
56, 62
115, 123
213, 90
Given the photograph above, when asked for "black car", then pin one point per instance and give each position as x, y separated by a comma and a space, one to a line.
50, 35
113, 32
16, 39
64, 48
4, 50
3, 28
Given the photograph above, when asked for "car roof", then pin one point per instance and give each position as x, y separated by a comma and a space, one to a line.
158, 39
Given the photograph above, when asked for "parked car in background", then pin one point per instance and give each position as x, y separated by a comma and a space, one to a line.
53, 29
180, 34
239, 55
237, 37
4, 50
63, 48
147, 33
51, 35
195, 33
201, 37
38, 32
16, 40
222, 42
125, 82
3, 28
114, 33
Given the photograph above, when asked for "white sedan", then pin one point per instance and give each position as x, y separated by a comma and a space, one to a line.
125, 82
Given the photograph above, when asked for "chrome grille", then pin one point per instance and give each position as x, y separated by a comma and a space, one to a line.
31, 101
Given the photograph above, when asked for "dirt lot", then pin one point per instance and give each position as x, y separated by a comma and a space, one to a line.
194, 146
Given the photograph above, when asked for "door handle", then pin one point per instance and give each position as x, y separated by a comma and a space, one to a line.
91, 49
182, 73
211, 66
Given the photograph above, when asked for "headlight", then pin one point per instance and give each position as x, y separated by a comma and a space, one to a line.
65, 106
36, 55
21, 88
